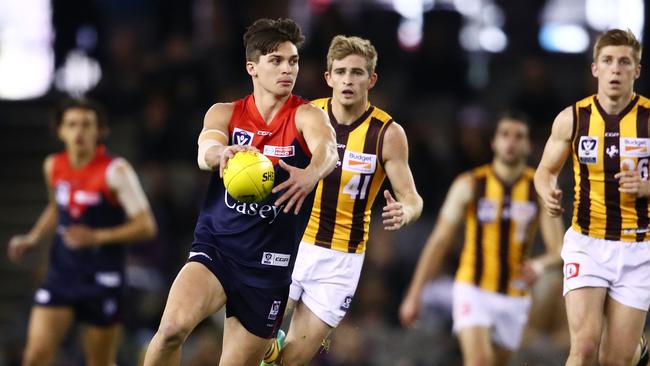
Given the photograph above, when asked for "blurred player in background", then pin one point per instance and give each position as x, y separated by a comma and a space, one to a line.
243, 253
500, 208
371, 146
606, 251
96, 207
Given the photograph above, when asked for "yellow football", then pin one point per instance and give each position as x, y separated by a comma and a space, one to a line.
249, 176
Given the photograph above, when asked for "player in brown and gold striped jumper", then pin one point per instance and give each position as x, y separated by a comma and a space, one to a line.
371, 147
500, 208
606, 251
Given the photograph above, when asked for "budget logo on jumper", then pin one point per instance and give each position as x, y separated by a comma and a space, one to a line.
634, 147
359, 162
275, 309
588, 150
242, 137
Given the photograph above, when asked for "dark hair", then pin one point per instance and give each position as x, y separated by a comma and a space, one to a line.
82, 103
510, 114
265, 35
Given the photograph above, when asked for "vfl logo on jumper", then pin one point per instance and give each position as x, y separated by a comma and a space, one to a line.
588, 150
634, 147
345, 306
242, 137
359, 162
279, 151
276, 259
253, 209
486, 210
612, 151
571, 270
275, 309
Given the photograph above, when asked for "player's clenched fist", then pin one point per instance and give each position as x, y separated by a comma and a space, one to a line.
553, 202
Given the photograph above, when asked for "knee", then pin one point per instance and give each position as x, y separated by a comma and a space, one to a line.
480, 358
584, 349
37, 355
289, 356
172, 334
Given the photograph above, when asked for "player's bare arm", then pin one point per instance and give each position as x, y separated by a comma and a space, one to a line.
141, 225
556, 151
449, 219
45, 224
408, 206
552, 230
313, 124
214, 151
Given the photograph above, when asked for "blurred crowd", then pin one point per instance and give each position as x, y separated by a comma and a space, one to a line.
165, 62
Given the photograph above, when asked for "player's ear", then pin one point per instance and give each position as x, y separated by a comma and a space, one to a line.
373, 80
250, 68
594, 69
328, 79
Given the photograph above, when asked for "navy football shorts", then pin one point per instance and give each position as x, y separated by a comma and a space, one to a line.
259, 310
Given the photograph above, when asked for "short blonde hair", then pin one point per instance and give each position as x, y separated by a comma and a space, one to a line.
618, 37
343, 46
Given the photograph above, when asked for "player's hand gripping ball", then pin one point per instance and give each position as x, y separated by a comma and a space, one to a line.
249, 176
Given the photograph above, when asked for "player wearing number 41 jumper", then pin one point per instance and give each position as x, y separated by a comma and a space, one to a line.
606, 251
371, 146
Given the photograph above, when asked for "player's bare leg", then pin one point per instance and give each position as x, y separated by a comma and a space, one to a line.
305, 336
476, 346
240, 347
47, 329
585, 316
620, 340
101, 344
195, 294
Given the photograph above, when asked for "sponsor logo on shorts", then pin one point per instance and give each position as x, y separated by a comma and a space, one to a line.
276, 259
345, 306
635, 147
571, 270
194, 254
279, 151
242, 137
275, 309
588, 150
110, 307
465, 308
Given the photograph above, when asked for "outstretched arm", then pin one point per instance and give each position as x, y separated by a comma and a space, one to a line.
140, 225
45, 224
314, 125
555, 154
408, 206
437, 245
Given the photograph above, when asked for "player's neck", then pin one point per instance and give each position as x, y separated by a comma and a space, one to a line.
347, 115
615, 105
268, 104
508, 173
80, 158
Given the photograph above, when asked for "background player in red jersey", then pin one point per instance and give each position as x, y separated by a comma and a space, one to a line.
96, 206
243, 254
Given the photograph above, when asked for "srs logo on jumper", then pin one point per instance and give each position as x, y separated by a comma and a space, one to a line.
279, 151
359, 162
588, 150
242, 137
634, 147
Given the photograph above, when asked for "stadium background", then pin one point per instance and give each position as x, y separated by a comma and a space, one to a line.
446, 69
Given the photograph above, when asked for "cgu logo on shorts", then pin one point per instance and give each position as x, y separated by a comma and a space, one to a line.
276, 259
588, 150
275, 309
571, 270
242, 137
